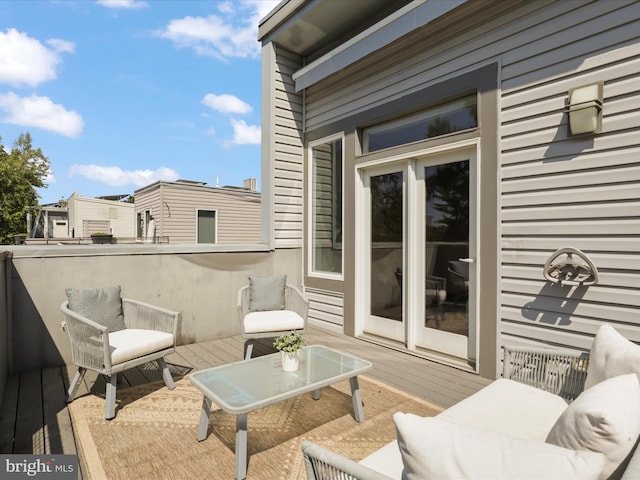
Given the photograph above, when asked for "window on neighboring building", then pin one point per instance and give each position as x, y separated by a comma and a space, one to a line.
326, 207
139, 225
149, 225
206, 226
454, 116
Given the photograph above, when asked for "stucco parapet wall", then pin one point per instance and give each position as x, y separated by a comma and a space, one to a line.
25, 251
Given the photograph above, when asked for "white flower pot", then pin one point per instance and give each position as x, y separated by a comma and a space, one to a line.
290, 361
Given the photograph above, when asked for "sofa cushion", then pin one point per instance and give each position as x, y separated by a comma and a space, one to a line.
611, 355
509, 407
267, 293
102, 305
604, 418
385, 460
436, 448
272, 321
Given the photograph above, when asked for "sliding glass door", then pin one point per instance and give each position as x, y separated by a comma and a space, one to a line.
421, 251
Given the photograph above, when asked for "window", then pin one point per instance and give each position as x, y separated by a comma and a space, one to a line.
206, 226
139, 225
326, 207
455, 116
148, 225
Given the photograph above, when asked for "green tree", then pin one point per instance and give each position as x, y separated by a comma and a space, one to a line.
21, 171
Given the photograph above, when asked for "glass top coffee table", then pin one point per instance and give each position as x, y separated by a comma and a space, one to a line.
241, 387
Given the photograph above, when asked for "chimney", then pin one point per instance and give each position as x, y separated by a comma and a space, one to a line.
250, 184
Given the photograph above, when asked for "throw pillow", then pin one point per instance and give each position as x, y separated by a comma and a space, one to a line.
102, 305
611, 355
605, 418
435, 448
267, 293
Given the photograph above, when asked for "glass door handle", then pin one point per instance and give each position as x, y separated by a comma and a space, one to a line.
467, 260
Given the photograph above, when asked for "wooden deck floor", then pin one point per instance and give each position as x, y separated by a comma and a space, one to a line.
34, 417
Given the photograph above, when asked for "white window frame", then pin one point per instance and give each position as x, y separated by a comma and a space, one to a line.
309, 241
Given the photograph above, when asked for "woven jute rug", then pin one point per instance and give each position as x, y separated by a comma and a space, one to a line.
154, 433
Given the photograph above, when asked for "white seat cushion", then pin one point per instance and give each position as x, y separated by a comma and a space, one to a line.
386, 460
272, 321
509, 407
133, 342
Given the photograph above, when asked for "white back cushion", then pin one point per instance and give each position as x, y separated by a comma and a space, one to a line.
604, 418
611, 355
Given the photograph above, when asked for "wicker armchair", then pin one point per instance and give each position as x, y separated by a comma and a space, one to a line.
150, 334
271, 323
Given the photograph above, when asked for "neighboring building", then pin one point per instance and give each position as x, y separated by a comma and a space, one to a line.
101, 214
79, 217
418, 156
193, 212
48, 221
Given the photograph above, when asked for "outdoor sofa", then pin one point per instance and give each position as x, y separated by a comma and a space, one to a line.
553, 414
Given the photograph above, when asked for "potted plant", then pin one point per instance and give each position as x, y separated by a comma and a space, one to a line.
290, 345
20, 238
101, 237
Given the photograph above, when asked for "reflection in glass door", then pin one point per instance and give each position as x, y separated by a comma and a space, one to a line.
446, 257
385, 239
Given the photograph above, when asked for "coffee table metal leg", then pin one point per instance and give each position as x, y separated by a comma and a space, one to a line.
203, 426
358, 411
241, 447
315, 394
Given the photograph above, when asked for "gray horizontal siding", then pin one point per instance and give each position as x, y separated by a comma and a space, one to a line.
325, 306
288, 155
555, 191
559, 191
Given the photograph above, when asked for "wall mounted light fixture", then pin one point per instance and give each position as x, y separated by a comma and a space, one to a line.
585, 109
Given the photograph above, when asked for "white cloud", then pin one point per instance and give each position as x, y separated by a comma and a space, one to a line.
226, 103
233, 34
41, 112
262, 7
26, 61
210, 131
60, 45
117, 177
125, 4
226, 7
244, 134
49, 177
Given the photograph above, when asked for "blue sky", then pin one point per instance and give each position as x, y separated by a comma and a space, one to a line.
121, 93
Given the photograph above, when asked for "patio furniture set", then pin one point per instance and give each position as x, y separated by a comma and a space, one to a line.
553, 414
